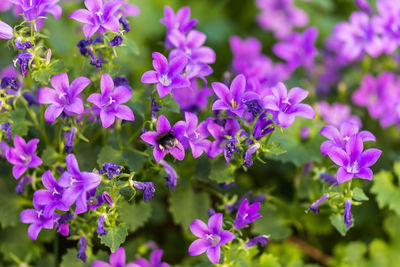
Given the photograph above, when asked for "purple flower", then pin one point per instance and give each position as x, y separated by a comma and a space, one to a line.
3, 149
358, 36
231, 148
108, 104
249, 153
211, 238
261, 240
117, 259
195, 135
262, 127
82, 249
348, 217
305, 133
172, 176
33, 9
286, 106
100, 225
192, 98
247, 214
128, 9
20, 188
111, 169
219, 132
166, 139
353, 162
166, 75
37, 220
50, 198
9, 82
92, 200
69, 140
77, 184
363, 5
155, 260
23, 156
280, 16
116, 41
6, 32
23, 59
63, 227
6, 127
331, 180
147, 188
99, 16
64, 97
340, 139
231, 99
314, 206
22, 46
107, 199
125, 24
299, 49
337, 113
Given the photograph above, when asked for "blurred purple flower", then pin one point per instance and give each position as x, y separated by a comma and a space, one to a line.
6, 127
331, 180
261, 240
155, 260
166, 139
23, 156
314, 206
117, 259
99, 16
348, 217
128, 9
20, 188
172, 176
211, 238
337, 113
23, 59
6, 32
246, 214
147, 188
108, 104
100, 225
192, 98
230, 128
82, 249
77, 184
286, 105
167, 76
64, 97
248, 161
195, 135
363, 5
69, 140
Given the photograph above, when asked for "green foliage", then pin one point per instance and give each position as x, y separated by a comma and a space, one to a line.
109, 154
115, 237
135, 215
337, 220
269, 260
359, 194
10, 208
43, 75
20, 124
271, 223
220, 172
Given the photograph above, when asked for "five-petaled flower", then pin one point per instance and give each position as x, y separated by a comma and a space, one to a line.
108, 104
247, 214
64, 97
38, 220
23, 156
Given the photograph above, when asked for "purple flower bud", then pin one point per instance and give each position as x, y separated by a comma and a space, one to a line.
249, 153
82, 249
231, 148
118, 81
111, 169
147, 188
9, 82
154, 109
261, 240
125, 25
247, 214
23, 60
314, 205
363, 5
6, 32
63, 227
30, 98
69, 140
82, 44
331, 180
22, 46
307, 167
259, 198
3, 148
172, 176
152, 245
7, 128
98, 40
305, 133
227, 186
94, 61
116, 41
348, 217
211, 212
107, 198
234, 207
254, 107
262, 127
21, 184
100, 225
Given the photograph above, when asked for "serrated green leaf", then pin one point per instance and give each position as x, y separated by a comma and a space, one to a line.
43, 75
269, 260
387, 193
115, 237
337, 221
134, 160
185, 206
49, 156
10, 207
220, 172
170, 104
20, 124
135, 215
359, 194
271, 223
109, 154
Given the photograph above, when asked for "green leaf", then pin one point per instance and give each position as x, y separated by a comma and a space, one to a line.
269, 260
115, 237
109, 154
271, 223
135, 215
359, 194
43, 75
70, 259
387, 193
49, 156
170, 104
185, 206
337, 221
10, 207
20, 123
134, 160
220, 172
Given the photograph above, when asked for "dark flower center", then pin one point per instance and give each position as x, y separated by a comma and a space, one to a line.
167, 140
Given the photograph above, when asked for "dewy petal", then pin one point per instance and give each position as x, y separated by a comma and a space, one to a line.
163, 90
285, 120
43, 197
198, 247
338, 156
150, 76
238, 86
163, 124
60, 82
369, 157
125, 113
331, 133
106, 84
221, 91
215, 223
76, 107
327, 146
112, 24
343, 176
52, 112
296, 95
47, 96
199, 228
29, 216
48, 180
226, 237
81, 15
118, 257
214, 254
149, 137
